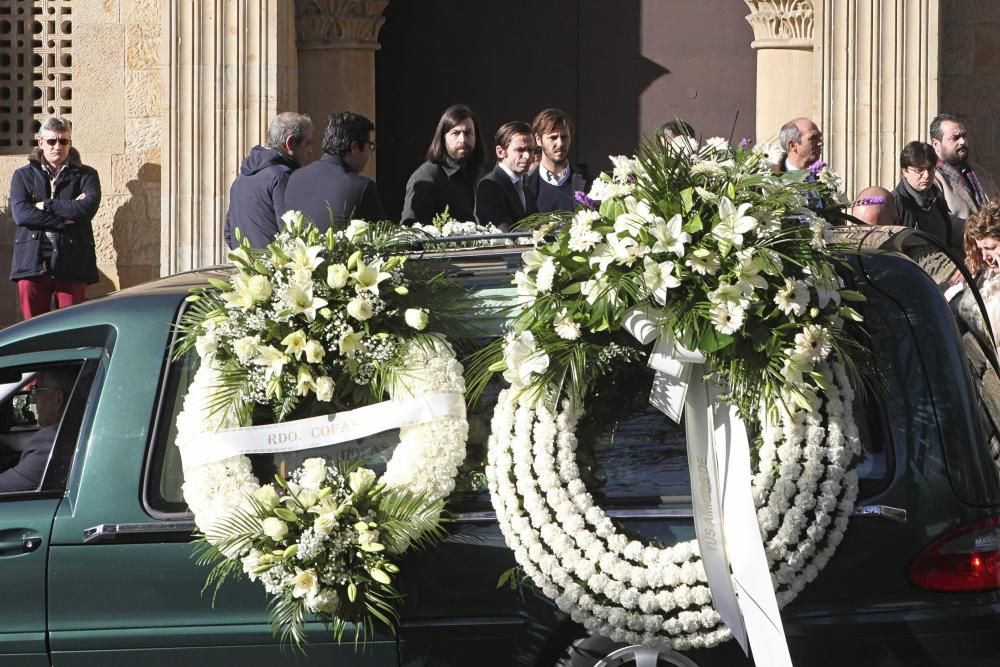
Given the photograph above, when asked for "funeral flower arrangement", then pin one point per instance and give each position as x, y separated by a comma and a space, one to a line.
321, 323
444, 227
704, 246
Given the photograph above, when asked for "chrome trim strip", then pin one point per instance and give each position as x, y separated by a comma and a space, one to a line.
636, 513
881, 511
109, 532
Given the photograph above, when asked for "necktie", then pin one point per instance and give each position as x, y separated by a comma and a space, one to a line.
519, 186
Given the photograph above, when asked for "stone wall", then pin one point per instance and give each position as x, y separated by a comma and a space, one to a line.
115, 81
970, 73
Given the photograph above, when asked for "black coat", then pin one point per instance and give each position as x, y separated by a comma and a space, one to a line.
329, 187
933, 218
433, 186
257, 197
497, 200
73, 256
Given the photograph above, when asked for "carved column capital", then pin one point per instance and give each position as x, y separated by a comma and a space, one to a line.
782, 24
332, 24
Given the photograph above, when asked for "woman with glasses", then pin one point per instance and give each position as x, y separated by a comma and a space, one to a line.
919, 202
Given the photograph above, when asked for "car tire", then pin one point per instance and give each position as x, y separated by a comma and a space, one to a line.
594, 651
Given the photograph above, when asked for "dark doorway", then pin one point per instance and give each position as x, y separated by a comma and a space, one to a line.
620, 69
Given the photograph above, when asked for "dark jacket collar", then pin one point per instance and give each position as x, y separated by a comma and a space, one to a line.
73, 161
337, 160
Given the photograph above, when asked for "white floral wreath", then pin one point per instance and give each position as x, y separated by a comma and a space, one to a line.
636, 592
425, 461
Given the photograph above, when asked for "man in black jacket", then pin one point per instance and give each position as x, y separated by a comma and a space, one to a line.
331, 190
53, 199
448, 178
501, 195
257, 196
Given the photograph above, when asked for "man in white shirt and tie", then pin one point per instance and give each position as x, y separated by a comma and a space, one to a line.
502, 197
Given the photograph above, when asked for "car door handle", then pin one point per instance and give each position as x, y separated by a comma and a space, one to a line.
16, 541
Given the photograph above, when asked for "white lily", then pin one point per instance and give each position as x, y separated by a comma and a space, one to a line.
658, 277
368, 276
306, 257
670, 235
299, 299
733, 223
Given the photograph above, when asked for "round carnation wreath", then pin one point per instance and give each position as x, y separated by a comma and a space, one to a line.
636, 592
425, 461
336, 318
727, 258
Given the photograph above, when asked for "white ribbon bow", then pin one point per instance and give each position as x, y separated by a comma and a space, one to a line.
719, 464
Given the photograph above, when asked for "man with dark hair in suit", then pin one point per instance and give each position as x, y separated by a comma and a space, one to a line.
556, 180
966, 186
448, 178
331, 190
501, 196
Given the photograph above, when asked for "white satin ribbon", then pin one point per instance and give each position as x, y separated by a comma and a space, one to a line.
324, 430
725, 518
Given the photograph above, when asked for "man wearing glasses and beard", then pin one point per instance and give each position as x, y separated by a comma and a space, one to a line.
53, 199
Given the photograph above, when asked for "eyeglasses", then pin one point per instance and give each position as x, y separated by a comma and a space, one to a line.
916, 171
60, 141
36, 390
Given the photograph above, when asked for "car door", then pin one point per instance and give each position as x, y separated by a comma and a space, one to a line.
26, 515
123, 575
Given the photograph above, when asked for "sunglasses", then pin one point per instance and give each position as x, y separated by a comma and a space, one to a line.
53, 142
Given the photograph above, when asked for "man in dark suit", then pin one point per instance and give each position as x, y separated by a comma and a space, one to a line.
331, 190
556, 181
502, 198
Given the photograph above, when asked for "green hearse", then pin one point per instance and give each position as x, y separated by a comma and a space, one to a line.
96, 563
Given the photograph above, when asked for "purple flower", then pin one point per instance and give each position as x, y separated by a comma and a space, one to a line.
877, 200
816, 167
581, 198
744, 143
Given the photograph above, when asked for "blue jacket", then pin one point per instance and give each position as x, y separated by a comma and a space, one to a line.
257, 197
329, 188
73, 256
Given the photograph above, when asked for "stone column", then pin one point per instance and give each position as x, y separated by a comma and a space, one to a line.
228, 67
783, 38
877, 83
337, 40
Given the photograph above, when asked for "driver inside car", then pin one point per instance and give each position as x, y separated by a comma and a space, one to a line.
49, 392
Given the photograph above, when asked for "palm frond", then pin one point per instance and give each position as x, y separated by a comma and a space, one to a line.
409, 519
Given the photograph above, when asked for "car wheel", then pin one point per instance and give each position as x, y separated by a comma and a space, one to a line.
594, 651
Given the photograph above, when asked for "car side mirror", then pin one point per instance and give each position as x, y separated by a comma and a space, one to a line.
22, 411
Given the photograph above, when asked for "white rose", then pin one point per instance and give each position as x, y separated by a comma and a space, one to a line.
313, 472
267, 496
416, 318
360, 480
336, 276
246, 348
359, 309
324, 388
356, 230
207, 344
314, 352
274, 528
259, 288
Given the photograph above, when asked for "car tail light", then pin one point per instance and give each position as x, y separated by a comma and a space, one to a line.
965, 560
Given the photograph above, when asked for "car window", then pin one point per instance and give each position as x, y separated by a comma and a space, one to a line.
41, 409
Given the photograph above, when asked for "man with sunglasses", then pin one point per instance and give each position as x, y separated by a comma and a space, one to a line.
53, 200
49, 392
